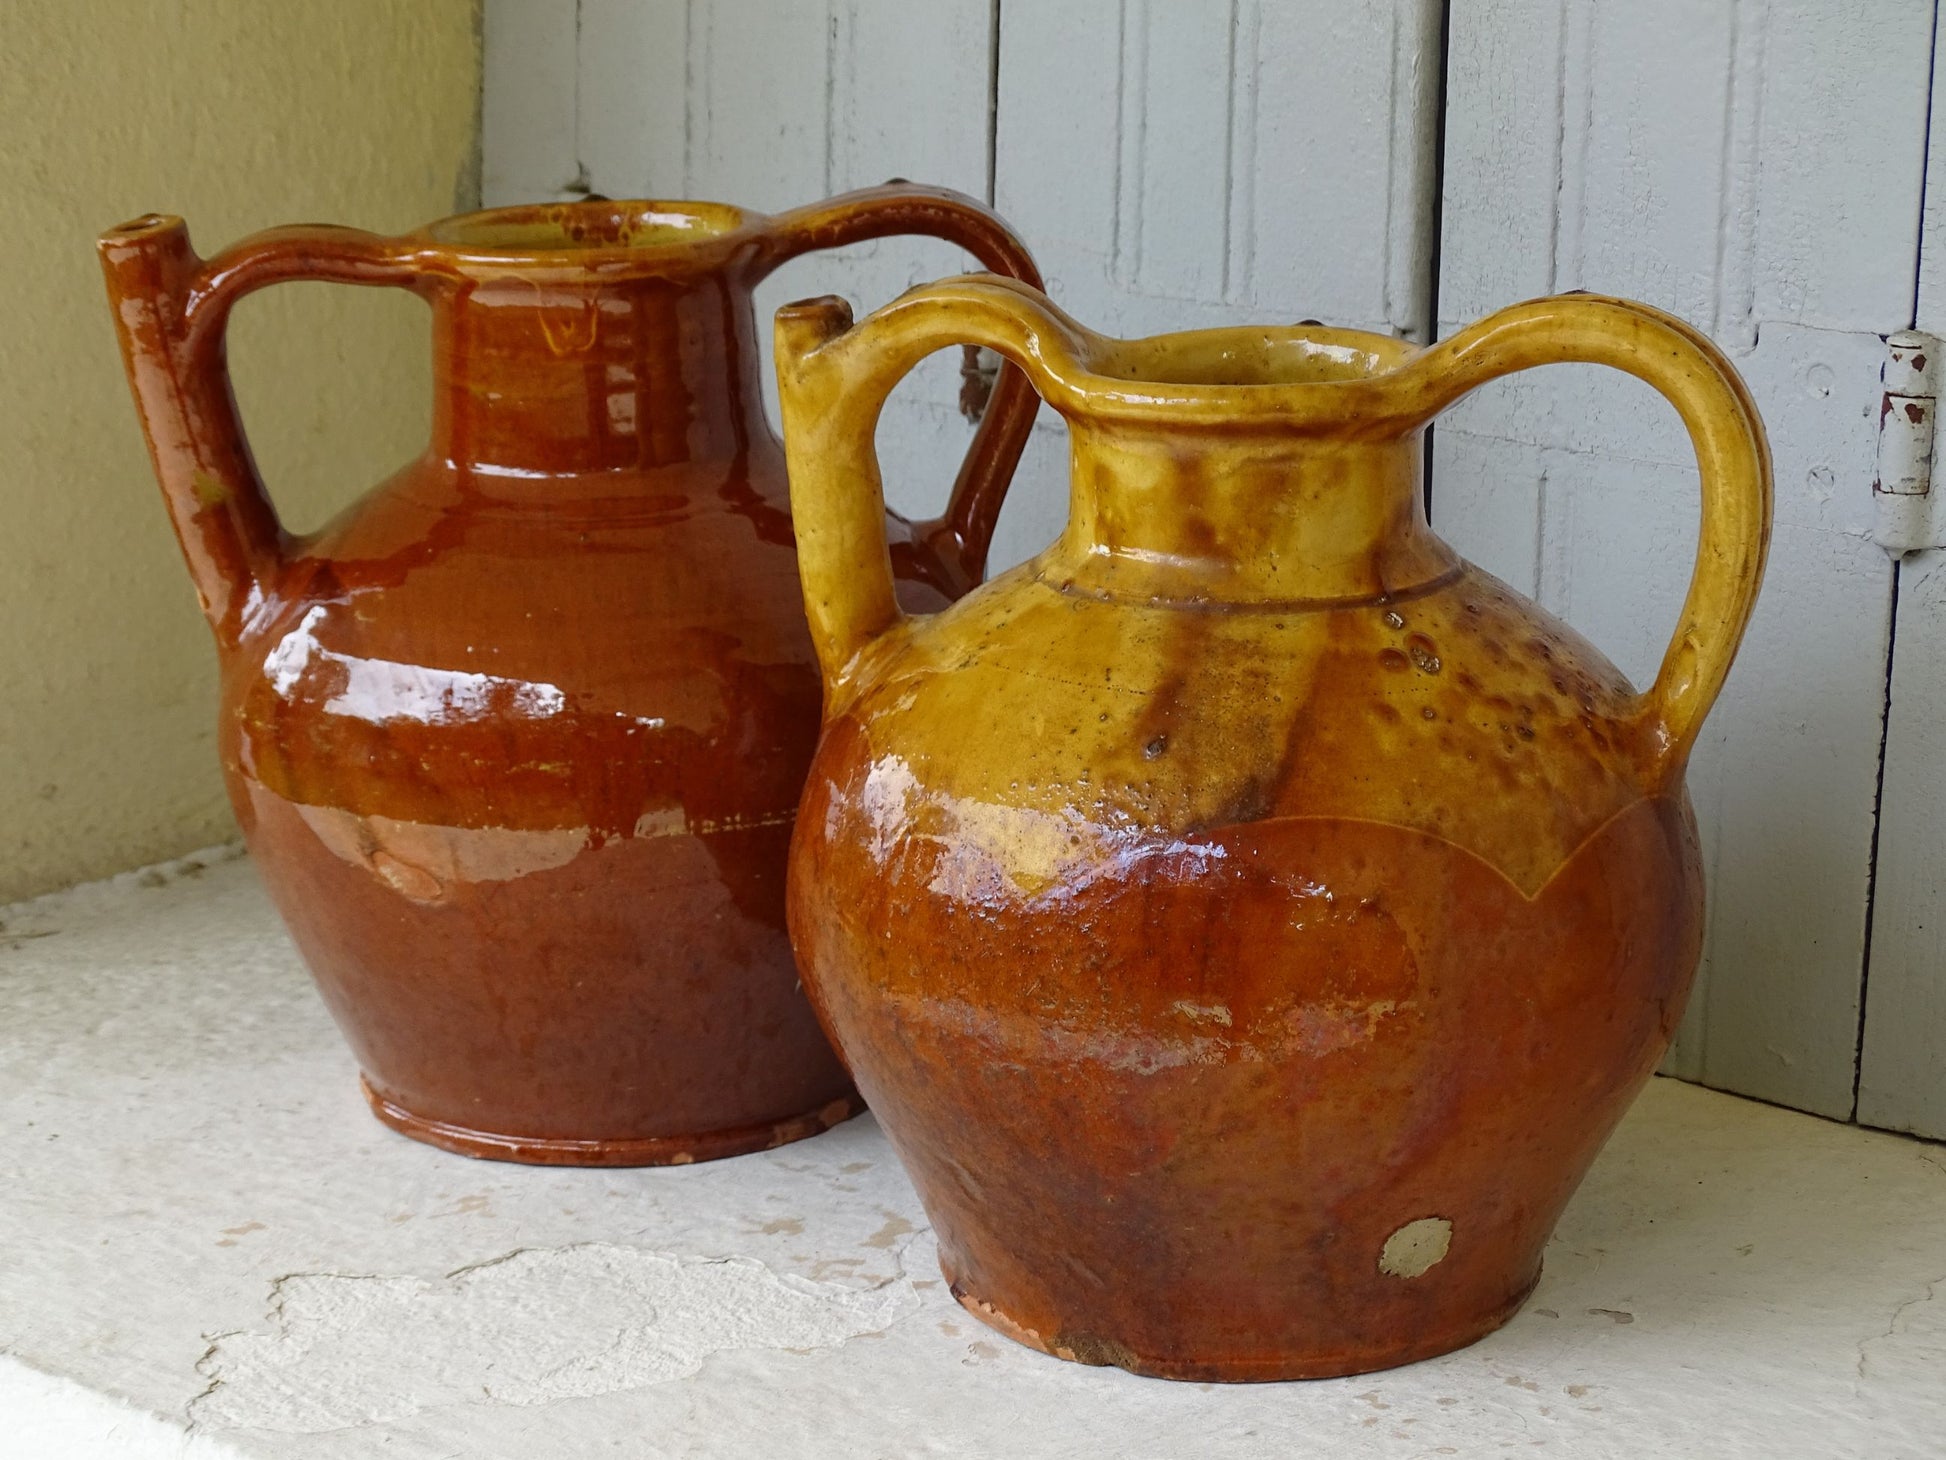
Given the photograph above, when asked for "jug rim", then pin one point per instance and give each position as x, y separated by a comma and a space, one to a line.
1304, 379
609, 235
1247, 357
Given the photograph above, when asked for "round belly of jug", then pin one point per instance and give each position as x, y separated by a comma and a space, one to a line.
1283, 1099
549, 998
552, 929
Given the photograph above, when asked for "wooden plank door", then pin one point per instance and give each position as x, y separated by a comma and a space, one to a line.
1902, 1074
766, 107
1754, 166
1187, 163
1172, 164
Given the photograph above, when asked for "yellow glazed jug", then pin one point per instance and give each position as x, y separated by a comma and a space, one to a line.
1247, 919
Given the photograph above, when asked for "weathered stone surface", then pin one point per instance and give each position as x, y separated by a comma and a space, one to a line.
208, 1249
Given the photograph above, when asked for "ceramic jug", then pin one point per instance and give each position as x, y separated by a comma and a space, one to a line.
1247, 919
516, 742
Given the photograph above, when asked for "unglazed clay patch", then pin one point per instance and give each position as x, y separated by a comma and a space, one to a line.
1415, 1247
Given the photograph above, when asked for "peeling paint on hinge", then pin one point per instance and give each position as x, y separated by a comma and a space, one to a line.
979, 369
1905, 505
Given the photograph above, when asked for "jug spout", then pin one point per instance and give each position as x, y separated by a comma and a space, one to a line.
158, 289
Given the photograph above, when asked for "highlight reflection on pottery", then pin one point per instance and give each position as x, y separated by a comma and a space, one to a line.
1247, 919
517, 741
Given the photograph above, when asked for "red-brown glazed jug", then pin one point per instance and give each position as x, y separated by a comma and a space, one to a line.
516, 742
1246, 918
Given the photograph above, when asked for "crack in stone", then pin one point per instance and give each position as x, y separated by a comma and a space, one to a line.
206, 1367
1926, 1295
923, 1230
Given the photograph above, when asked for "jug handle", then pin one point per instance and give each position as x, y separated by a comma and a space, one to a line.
960, 537
171, 309
832, 382
1732, 457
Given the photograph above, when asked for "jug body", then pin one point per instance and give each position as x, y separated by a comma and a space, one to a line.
516, 742
1246, 919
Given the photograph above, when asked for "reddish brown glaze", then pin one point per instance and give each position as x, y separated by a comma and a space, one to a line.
517, 741
1246, 919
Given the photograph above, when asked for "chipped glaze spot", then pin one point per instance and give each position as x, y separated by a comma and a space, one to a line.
1416, 1248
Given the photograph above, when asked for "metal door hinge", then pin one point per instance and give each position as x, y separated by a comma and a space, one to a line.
1908, 515
979, 369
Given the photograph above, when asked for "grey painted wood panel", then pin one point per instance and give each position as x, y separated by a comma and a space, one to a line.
1902, 1060
767, 107
527, 100
1753, 165
1182, 164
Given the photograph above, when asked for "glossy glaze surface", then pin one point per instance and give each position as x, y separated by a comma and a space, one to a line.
1246, 919
517, 741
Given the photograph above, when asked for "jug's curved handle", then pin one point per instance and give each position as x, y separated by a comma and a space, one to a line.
963, 534
170, 312
1732, 455
832, 380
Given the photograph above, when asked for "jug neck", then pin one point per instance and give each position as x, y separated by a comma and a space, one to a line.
1204, 518
551, 376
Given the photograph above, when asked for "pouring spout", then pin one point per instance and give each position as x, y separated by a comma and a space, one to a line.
229, 535
148, 259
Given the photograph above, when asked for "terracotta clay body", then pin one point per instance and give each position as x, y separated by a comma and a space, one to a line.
1246, 918
517, 741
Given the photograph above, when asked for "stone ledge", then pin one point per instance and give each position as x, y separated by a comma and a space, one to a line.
213, 1251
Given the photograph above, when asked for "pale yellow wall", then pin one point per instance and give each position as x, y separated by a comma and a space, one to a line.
237, 114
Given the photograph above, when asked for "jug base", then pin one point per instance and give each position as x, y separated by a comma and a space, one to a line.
1298, 1363
638, 1151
